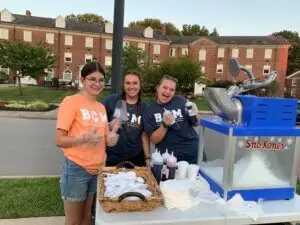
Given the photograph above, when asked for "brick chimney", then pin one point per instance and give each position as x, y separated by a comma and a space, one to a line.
28, 13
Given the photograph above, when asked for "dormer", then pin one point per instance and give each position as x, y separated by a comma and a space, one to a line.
6, 16
109, 28
148, 32
60, 22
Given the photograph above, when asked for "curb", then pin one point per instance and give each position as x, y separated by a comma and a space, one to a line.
52, 115
29, 176
34, 221
28, 117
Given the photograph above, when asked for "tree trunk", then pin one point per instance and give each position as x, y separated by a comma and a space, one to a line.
20, 87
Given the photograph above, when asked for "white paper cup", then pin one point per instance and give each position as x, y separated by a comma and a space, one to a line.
193, 171
182, 170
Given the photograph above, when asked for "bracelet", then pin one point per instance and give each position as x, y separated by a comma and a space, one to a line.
147, 157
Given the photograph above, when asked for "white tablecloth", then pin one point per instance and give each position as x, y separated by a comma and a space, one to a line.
208, 214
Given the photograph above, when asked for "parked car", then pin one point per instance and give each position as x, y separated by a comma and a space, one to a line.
298, 114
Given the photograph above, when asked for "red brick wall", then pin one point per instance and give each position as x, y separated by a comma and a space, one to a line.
210, 62
78, 49
281, 66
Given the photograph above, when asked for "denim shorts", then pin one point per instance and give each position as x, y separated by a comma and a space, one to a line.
76, 184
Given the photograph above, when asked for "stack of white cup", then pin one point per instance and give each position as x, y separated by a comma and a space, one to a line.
187, 171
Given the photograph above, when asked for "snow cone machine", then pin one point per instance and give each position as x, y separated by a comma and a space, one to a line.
253, 147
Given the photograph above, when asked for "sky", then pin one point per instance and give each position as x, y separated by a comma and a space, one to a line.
230, 17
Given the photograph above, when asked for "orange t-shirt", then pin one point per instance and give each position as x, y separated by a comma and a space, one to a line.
78, 115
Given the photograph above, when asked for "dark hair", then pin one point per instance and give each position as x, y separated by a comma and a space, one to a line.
92, 67
123, 95
168, 77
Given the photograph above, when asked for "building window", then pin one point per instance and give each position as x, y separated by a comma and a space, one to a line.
293, 92
50, 38
202, 55
235, 53
88, 58
203, 69
49, 75
249, 53
268, 53
184, 51
68, 57
155, 61
69, 40
27, 35
294, 82
107, 60
219, 68
89, 42
108, 44
67, 75
4, 33
267, 69
249, 67
220, 52
156, 50
142, 46
172, 52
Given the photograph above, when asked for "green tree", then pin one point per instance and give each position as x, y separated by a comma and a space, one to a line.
151, 77
155, 24
294, 51
186, 70
147, 22
171, 29
86, 18
194, 30
134, 58
214, 33
26, 60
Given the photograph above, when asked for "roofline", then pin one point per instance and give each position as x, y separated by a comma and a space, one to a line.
205, 38
294, 74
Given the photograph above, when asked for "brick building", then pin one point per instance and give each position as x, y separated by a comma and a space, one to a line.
293, 85
77, 43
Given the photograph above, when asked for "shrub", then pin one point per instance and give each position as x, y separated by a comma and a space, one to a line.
37, 105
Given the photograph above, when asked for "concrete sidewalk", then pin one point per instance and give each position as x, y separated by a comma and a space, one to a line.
52, 115
60, 220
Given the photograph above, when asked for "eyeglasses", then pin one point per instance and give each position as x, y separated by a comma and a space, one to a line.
94, 80
170, 78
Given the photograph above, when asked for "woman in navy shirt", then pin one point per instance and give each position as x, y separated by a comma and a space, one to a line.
173, 131
133, 144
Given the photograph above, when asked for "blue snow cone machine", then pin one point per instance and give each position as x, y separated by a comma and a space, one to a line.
252, 144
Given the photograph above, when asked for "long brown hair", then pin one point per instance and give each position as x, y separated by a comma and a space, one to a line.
139, 100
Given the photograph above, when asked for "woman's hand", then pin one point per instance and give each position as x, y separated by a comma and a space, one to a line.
148, 163
112, 138
168, 118
115, 125
91, 138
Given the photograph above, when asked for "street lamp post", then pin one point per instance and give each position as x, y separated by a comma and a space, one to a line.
117, 50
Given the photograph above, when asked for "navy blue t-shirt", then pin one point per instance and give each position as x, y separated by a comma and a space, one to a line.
181, 138
130, 140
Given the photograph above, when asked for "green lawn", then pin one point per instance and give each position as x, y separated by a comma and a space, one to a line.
50, 95
37, 197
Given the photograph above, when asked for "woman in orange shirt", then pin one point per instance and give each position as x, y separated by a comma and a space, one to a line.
83, 134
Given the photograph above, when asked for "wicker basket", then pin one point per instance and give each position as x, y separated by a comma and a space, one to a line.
117, 204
